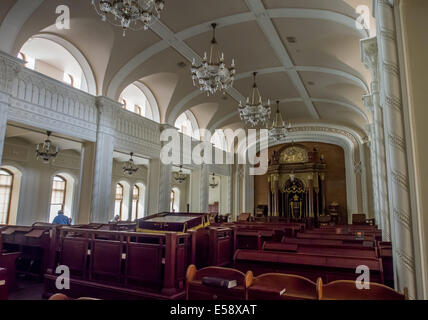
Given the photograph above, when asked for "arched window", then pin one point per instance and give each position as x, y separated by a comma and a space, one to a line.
55, 61
6, 182
118, 201
135, 204
137, 110
172, 201
59, 187
175, 200
186, 124
136, 101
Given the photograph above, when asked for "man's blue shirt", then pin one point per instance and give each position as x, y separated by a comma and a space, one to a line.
61, 219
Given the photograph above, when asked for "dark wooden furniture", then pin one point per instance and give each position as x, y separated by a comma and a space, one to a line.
120, 265
3, 284
311, 266
347, 290
196, 290
174, 222
269, 286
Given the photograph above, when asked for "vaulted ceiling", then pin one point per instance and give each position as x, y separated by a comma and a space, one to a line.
318, 79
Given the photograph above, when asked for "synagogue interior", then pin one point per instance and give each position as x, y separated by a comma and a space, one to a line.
213, 150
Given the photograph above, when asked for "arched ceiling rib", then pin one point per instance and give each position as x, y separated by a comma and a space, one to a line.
286, 73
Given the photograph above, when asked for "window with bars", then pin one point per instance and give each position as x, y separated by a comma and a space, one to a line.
59, 186
6, 182
118, 201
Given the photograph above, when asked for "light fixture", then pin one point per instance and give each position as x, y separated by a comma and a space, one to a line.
213, 75
254, 112
179, 176
46, 151
213, 184
129, 14
278, 130
130, 168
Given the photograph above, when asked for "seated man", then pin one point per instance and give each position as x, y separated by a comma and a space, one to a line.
61, 218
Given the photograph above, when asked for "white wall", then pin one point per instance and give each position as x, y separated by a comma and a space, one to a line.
36, 182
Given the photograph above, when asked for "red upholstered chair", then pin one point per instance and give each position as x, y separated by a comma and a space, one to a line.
196, 290
59, 296
347, 290
269, 286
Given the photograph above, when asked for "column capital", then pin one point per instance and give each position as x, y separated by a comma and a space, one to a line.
369, 54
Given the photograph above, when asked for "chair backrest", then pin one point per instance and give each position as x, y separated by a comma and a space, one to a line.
293, 287
347, 290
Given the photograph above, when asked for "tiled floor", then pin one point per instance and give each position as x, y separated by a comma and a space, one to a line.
27, 289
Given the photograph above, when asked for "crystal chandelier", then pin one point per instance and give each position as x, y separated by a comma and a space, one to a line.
254, 112
213, 184
213, 75
278, 131
46, 151
179, 176
129, 14
130, 168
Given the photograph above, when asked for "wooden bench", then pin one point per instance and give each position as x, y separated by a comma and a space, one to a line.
347, 290
196, 290
367, 239
328, 250
329, 242
117, 264
269, 286
311, 266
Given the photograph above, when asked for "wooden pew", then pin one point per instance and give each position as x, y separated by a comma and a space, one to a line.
327, 250
385, 253
196, 290
311, 266
252, 239
3, 284
269, 286
367, 239
33, 243
329, 242
128, 265
347, 290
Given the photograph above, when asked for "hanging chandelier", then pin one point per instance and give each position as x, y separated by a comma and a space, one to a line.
213, 75
278, 130
46, 151
213, 184
254, 112
130, 168
179, 176
129, 14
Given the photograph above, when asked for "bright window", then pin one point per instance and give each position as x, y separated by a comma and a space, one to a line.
135, 200
59, 186
6, 181
118, 201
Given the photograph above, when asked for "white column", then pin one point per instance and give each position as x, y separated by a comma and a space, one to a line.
372, 101
204, 188
159, 187
373, 163
103, 168
9, 69
87, 156
248, 186
399, 200
165, 186
3, 124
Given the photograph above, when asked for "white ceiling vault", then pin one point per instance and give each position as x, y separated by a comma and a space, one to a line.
318, 79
